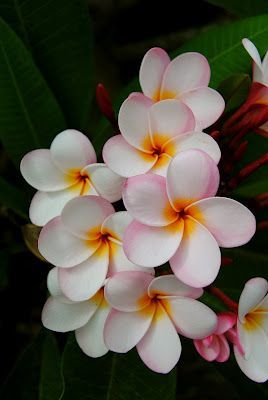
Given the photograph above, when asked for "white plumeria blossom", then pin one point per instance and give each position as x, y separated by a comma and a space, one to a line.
85, 241
86, 318
67, 170
252, 327
179, 219
260, 67
149, 313
152, 134
185, 78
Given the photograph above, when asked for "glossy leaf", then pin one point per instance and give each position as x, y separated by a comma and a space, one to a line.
245, 8
58, 34
234, 90
36, 374
29, 114
112, 377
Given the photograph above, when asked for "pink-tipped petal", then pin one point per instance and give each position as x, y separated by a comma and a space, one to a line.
194, 140
146, 199
254, 291
231, 223
123, 330
47, 205
161, 165
198, 258
64, 317
90, 337
192, 175
39, 170
84, 280
53, 282
187, 71
143, 244
133, 121
170, 285
83, 216
226, 321
72, 150
108, 184
152, 69
224, 353
255, 366
160, 348
61, 248
206, 104
115, 225
127, 291
126, 160
192, 318
169, 118
210, 352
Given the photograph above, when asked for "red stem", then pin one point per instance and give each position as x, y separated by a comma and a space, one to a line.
231, 304
248, 170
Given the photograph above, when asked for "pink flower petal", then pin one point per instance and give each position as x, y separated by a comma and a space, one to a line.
160, 348
53, 282
72, 150
192, 175
108, 184
64, 317
206, 104
226, 321
231, 223
47, 205
170, 285
209, 353
84, 280
131, 161
146, 199
192, 318
194, 140
39, 170
90, 337
127, 291
134, 123
169, 118
152, 70
83, 216
115, 225
161, 165
198, 258
61, 248
224, 349
123, 330
187, 71
255, 366
143, 244
254, 291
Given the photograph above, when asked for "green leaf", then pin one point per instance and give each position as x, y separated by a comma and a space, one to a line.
112, 377
29, 114
245, 8
13, 198
234, 90
58, 34
36, 374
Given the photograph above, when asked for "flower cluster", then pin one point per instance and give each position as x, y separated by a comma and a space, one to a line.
105, 284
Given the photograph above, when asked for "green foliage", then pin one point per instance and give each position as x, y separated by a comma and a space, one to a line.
36, 374
234, 90
112, 377
58, 35
29, 114
245, 8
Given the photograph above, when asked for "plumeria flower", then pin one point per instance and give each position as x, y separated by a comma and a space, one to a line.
152, 134
186, 78
252, 327
148, 313
85, 241
179, 219
216, 347
253, 114
67, 170
86, 318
